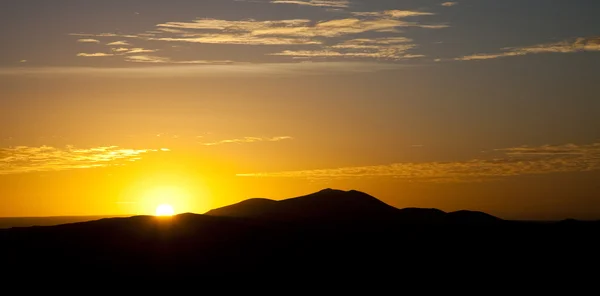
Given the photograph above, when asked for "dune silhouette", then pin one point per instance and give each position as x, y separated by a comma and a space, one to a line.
327, 231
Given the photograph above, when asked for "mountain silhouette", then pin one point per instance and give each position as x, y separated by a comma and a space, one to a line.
330, 231
327, 205
330, 205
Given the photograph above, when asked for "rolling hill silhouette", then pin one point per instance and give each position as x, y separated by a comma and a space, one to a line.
327, 231
330, 205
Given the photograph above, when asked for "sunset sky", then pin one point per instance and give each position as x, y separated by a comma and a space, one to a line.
114, 107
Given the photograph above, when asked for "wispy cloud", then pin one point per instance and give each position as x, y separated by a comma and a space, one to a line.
165, 60
513, 162
391, 48
321, 3
140, 50
235, 39
392, 13
126, 50
331, 38
449, 4
569, 46
97, 54
120, 49
88, 41
104, 35
248, 140
24, 159
118, 43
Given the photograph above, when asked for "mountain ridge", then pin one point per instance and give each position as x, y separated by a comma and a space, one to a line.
334, 204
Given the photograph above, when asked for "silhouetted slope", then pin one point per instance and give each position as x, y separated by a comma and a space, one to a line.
254, 207
8, 222
470, 217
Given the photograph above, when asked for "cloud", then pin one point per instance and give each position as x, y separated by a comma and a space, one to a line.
582, 44
513, 162
449, 4
120, 49
384, 52
118, 43
375, 43
331, 38
320, 3
211, 69
24, 159
88, 41
125, 50
23, 61
140, 50
97, 54
236, 39
392, 13
390, 48
164, 60
248, 140
104, 35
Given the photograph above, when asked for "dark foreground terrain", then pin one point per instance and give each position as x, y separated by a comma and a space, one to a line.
330, 231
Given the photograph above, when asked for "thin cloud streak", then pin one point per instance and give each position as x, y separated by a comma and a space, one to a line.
88, 41
165, 60
582, 44
118, 43
97, 54
514, 162
246, 140
318, 3
449, 4
24, 159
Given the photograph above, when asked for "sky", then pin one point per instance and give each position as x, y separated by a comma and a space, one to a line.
114, 107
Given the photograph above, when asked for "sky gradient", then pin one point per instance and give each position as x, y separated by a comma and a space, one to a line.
113, 107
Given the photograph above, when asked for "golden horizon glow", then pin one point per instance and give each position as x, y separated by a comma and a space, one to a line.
165, 210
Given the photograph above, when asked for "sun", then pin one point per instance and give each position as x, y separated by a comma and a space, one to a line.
164, 210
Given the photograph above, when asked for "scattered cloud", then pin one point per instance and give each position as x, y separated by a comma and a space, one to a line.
88, 41
248, 140
118, 43
320, 3
513, 162
331, 38
97, 54
449, 4
24, 159
570, 46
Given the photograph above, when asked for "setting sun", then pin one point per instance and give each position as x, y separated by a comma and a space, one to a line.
164, 210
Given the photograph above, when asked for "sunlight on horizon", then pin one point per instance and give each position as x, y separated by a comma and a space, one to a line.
165, 210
